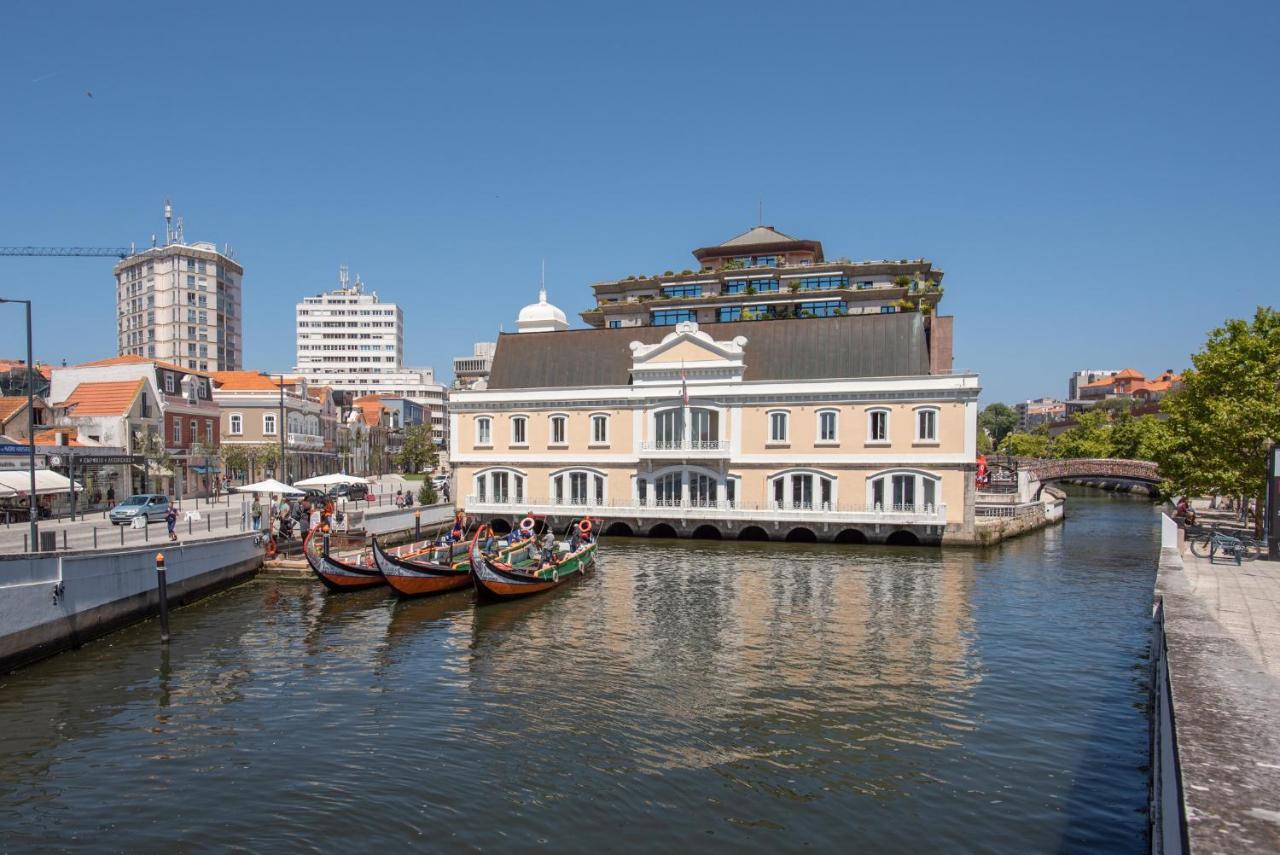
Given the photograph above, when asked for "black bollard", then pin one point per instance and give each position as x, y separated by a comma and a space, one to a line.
163, 588
122, 535
95, 537
64, 540
188, 526
417, 525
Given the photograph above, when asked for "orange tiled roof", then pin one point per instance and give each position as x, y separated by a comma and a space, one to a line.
102, 398
1105, 381
10, 404
244, 381
1130, 374
49, 437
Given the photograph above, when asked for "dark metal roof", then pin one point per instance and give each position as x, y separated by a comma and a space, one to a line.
888, 345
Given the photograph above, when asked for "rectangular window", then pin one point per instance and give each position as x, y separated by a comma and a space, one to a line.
269, 424
862, 286
750, 286
177, 431
670, 317
888, 310
878, 426
904, 491
558, 430
613, 325
777, 427
927, 425
729, 313
519, 434
930, 489
599, 429
195, 430
821, 309
823, 283
827, 427
168, 383
682, 291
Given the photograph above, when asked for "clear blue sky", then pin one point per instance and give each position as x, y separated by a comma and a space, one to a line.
1098, 180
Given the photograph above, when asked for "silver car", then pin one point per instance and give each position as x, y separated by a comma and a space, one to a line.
151, 506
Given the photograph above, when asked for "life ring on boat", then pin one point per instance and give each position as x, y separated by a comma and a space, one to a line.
271, 548
526, 524
585, 526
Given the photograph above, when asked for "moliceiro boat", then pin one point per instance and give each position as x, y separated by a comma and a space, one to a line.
338, 574
521, 571
424, 568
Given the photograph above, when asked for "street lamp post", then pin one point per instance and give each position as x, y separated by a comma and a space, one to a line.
284, 464
31, 431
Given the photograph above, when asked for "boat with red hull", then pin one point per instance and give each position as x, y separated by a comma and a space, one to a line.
419, 569
519, 572
335, 573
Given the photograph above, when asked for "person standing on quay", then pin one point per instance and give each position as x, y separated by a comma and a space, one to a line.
255, 511
171, 522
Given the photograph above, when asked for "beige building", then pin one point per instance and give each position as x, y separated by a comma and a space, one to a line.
250, 404
832, 428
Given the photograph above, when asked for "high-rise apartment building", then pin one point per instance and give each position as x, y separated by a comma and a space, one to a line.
180, 303
469, 370
351, 341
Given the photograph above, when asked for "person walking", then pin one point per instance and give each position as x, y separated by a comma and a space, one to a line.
111, 496
255, 511
171, 522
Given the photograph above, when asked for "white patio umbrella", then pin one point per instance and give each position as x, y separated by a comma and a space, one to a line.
330, 480
271, 485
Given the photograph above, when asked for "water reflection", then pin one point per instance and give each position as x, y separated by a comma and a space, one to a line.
736, 695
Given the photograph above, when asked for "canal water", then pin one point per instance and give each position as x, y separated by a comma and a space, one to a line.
688, 694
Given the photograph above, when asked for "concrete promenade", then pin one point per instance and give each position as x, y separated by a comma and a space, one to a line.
1222, 631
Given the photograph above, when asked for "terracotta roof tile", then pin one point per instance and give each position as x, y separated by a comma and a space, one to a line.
1130, 374
10, 404
102, 398
244, 381
49, 437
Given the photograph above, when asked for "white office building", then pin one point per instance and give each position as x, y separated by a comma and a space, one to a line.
351, 341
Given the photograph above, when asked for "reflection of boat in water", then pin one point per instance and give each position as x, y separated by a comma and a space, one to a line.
338, 574
520, 572
413, 617
423, 568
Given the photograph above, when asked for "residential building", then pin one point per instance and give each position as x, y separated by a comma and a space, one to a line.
764, 274
13, 416
1084, 377
833, 428
250, 405
13, 378
1032, 414
371, 419
148, 407
468, 371
181, 303
1129, 383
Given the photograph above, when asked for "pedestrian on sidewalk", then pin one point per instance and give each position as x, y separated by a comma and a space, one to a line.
255, 511
171, 522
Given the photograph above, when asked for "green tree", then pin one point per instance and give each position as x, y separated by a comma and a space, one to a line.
998, 420
1020, 444
234, 458
1137, 438
149, 444
985, 445
1227, 413
418, 451
1089, 437
427, 493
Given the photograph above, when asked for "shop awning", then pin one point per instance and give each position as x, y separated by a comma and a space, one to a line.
206, 470
15, 482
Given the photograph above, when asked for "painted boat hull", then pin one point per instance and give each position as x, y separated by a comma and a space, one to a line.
340, 575
496, 581
413, 578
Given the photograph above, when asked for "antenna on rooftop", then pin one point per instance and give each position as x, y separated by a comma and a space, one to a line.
343, 276
542, 283
168, 222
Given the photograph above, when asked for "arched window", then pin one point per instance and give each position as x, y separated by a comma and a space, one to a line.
802, 489
559, 430
704, 427
779, 426
235, 424
599, 429
668, 428
578, 487
484, 431
926, 424
499, 486
904, 490
519, 430
269, 423
828, 427
878, 425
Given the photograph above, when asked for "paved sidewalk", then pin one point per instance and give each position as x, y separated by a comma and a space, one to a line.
1222, 628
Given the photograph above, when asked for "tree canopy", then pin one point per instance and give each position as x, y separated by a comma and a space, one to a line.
418, 451
997, 421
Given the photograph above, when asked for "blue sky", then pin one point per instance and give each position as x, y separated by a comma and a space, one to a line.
1098, 180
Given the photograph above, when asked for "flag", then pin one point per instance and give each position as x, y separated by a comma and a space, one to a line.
684, 387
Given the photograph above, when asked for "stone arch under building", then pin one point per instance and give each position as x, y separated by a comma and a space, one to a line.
902, 537
851, 535
707, 531
800, 534
663, 530
753, 532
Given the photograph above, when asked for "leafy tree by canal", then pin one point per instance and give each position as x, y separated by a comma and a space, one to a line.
417, 452
1033, 444
997, 421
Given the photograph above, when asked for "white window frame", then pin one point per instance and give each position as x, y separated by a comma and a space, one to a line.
786, 427
918, 417
552, 442
523, 421
482, 484
835, 416
269, 418
168, 383
920, 476
788, 499
177, 430
888, 426
484, 431
593, 500
235, 424
594, 441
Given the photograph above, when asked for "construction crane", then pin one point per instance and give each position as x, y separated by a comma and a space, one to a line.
83, 251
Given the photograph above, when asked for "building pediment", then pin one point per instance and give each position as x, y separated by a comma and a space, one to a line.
688, 354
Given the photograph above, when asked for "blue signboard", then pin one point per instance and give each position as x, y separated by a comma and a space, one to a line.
15, 449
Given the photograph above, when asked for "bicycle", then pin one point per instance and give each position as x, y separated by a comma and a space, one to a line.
1241, 547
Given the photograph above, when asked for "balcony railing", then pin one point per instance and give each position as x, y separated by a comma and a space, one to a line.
653, 508
305, 440
686, 446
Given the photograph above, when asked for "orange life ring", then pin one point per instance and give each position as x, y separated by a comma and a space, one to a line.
527, 524
271, 548
585, 526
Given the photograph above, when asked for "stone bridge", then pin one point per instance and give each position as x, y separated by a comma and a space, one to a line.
1034, 472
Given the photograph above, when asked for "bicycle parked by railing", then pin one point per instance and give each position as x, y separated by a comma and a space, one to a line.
1241, 547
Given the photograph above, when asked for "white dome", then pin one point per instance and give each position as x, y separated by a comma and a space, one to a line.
541, 316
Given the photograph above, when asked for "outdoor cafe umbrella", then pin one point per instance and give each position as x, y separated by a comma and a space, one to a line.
271, 485
330, 480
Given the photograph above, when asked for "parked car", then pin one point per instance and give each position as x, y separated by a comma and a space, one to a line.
438, 481
152, 506
352, 492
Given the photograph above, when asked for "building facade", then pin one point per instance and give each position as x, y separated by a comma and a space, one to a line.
1032, 414
473, 369
250, 407
833, 428
765, 274
181, 303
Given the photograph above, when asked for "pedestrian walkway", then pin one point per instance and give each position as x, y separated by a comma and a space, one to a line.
1222, 630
